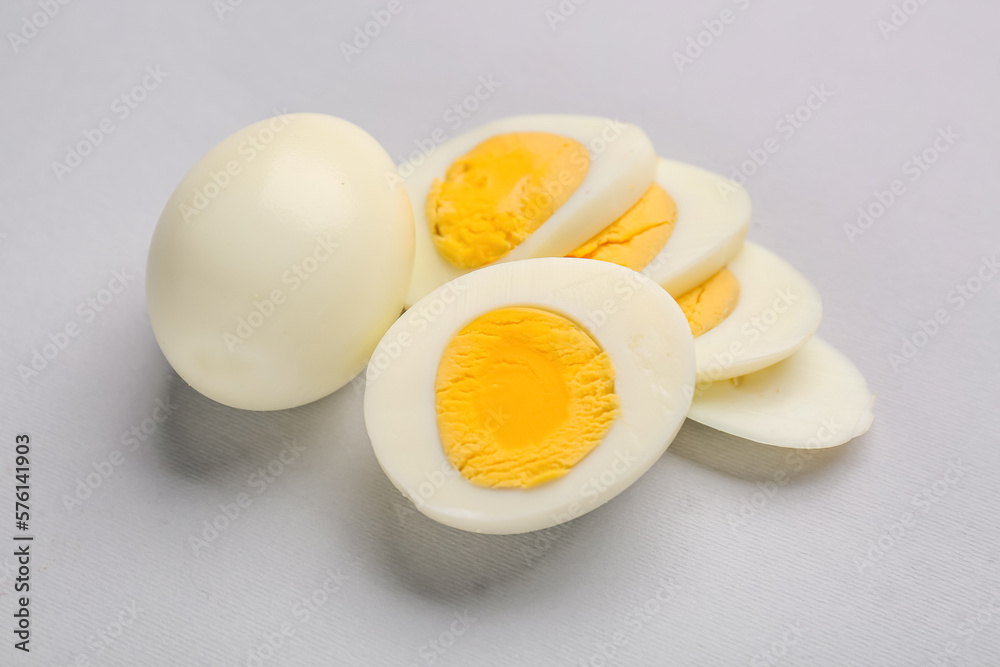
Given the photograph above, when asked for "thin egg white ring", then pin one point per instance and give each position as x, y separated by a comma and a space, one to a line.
713, 216
639, 325
814, 399
777, 312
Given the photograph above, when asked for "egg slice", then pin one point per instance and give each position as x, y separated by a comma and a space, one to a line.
754, 313
279, 261
521, 187
815, 398
634, 239
713, 216
527, 393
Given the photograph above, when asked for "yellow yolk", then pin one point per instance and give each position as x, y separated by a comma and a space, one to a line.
497, 194
522, 396
710, 302
634, 239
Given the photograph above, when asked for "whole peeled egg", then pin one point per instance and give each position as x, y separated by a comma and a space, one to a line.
279, 261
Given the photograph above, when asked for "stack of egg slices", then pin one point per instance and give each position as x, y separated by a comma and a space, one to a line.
733, 349
573, 298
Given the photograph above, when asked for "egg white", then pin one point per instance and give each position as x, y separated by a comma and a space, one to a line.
713, 216
622, 163
313, 199
815, 398
777, 312
636, 322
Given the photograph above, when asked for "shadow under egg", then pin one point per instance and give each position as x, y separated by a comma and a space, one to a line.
752, 461
445, 564
209, 442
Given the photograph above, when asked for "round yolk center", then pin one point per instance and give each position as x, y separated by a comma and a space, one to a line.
497, 194
528, 396
634, 239
522, 396
706, 305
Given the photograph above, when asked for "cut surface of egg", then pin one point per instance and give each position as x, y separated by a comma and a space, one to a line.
712, 219
527, 393
754, 313
279, 261
634, 239
814, 399
522, 187
523, 394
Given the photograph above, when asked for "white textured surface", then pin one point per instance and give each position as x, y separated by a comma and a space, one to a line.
717, 589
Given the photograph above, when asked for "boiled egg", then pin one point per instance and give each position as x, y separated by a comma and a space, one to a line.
279, 261
521, 187
815, 398
528, 393
712, 219
635, 238
751, 314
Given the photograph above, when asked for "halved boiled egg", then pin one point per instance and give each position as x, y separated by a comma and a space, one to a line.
815, 398
527, 393
521, 187
711, 224
751, 314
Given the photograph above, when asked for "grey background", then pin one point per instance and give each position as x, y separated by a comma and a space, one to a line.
850, 553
